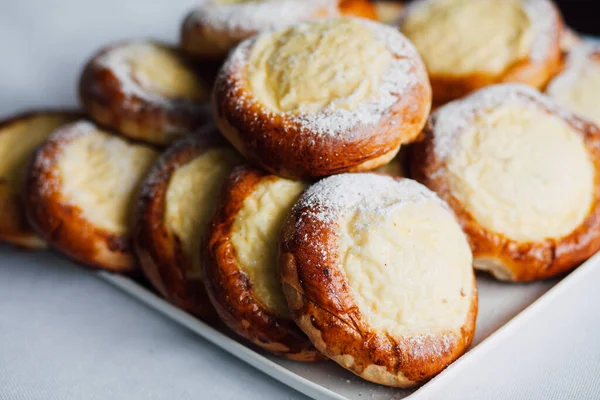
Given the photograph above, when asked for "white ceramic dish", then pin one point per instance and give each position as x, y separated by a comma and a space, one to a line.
502, 309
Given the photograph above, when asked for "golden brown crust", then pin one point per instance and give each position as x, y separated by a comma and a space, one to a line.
535, 73
231, 290
525, 260
288, 147
61, 223
154, 119
14, 227
205, 40
321, 303
159, 249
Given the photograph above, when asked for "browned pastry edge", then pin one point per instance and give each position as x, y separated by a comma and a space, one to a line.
159, 250
526, 260
528, 71
14, 227
321, 303
231, 290
158, 122
62, 224
211, 45
284, 147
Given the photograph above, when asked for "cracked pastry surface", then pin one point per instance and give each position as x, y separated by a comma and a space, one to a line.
173, 213
210, 31
80, 192
493, 157
240, 264
322, 97
372, 256
515, 41
145, 90
19, 137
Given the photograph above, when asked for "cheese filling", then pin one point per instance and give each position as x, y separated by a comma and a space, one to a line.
100, 174
523, 173
192, 197
464, 37
310, 66
255, 237
410, 269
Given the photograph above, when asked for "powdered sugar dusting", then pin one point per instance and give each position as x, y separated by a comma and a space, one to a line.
244, 19
405, 72
451, 120
578, 57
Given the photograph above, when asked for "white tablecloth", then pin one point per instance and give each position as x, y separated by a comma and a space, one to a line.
65, 334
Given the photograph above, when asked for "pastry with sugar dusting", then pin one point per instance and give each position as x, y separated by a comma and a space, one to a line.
578, 85
173, 213
210, 31
389, 12
378, 273
241, 262
522, 174
80, 191
322, 97
469, 44
146, 91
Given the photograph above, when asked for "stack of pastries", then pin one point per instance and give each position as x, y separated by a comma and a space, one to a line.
281, 170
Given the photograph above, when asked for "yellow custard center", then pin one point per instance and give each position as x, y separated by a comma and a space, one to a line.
463, 37
523, 173
192, 197
255, 237
310, 66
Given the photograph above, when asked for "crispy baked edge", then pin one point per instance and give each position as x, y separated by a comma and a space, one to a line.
102, 95
525, 260
159, 250
231, 290
322, 305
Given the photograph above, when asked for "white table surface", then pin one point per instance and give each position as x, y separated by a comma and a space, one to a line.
66, 334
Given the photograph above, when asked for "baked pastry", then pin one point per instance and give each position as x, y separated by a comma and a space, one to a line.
468, 44
398, 166
569, 40
322, 97
388, 12
177, 200
216, 27
144, 90
578, 85
241, 262
522, 175
377, 272
19, 137
79, 194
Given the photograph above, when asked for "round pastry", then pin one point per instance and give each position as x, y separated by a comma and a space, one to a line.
322, 97
388, 12
144, 90
569, 40
19, 137
241, 262
176, 203
577, 87
210, 31
469, 44
522, 175
377, 272
79, 194
397, 167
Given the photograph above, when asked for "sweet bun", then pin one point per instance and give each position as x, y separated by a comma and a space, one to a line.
144, 90
569, 40
467, 44
241, 262
398, 166
577, 87
211, 30
522, 175
322, 97
377, 272
19, 137
389, 12
79, 194
173, 213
